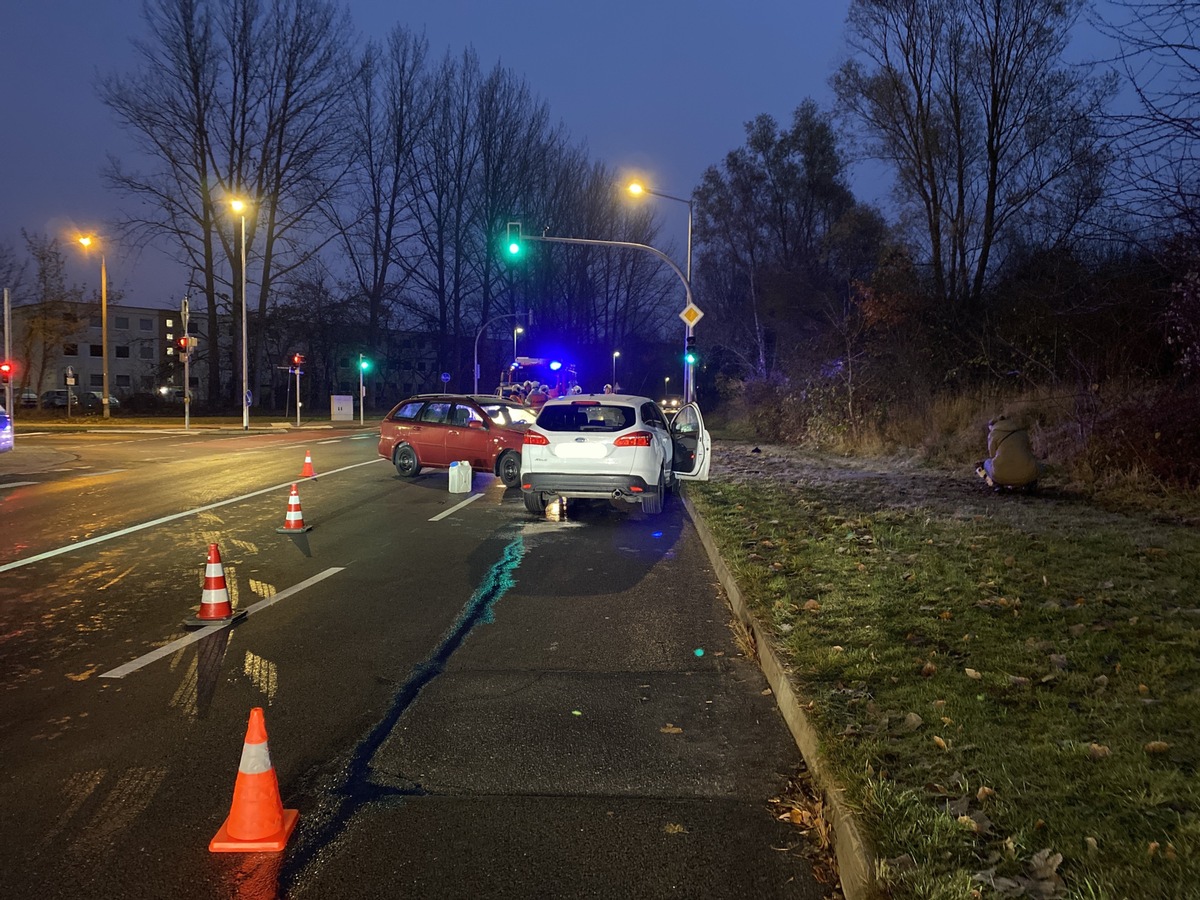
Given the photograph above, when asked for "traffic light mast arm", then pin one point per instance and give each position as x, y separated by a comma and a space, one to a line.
688, 383
629, 244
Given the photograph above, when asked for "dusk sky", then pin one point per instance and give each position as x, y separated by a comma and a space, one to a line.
663, 86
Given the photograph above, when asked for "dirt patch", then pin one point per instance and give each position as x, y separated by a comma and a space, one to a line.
874, 483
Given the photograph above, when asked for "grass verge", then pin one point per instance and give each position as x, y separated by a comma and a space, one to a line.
1007, 687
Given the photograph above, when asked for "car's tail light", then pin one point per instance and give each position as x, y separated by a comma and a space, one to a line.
533, 437
634, 439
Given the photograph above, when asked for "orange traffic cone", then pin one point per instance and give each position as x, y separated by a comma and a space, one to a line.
257, 821
293, 522
215, 608
307, 471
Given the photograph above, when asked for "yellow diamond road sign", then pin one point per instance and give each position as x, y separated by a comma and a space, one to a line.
691, 314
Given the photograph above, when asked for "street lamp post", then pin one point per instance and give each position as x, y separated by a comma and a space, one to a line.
637, 190
667, 386
362, 394
616, 353
239, 206
86, 241
516, 331
479, 334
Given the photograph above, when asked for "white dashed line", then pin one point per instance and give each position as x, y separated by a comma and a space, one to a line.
456, 507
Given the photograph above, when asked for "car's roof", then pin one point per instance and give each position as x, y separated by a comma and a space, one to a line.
591, 398
479, 399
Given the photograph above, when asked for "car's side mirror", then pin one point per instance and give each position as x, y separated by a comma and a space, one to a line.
474, 423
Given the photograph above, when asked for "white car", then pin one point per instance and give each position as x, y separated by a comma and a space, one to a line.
615, 447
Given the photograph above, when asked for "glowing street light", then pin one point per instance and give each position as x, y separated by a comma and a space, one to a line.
616, 353
86, 241
516, 331
637, 189
239, 207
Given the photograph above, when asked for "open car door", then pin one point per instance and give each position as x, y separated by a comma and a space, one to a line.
693, 447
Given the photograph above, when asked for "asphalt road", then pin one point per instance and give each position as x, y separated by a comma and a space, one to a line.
461, 700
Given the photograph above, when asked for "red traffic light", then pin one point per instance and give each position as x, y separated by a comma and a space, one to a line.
183, 343
6, 371
297, 359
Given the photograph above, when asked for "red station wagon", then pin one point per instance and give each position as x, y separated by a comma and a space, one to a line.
434, 430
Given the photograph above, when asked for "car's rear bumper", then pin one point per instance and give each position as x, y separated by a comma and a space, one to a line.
599, 487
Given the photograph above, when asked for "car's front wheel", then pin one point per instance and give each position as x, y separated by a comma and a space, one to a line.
407, 464
509, 469
536, 503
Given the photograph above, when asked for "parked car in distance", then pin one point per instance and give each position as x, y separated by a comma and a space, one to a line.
617, 447
28, 400
434, 430
6, 431
113, 402
671, 404
84, 401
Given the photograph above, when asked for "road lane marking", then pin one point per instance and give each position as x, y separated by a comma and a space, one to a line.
13, 484
363, 437
168, 649
336, 441
99, 539
98, 474
455, 508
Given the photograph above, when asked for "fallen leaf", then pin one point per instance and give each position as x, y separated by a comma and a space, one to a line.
1152, 848
812, 605
671, 729
928, 670
941, 744
1098, 751
672, 828
971, 673
983, 793
1018, 681
1092, 845
1157, 747
912, 722
945, 615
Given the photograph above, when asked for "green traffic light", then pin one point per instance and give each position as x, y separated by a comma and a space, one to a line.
690, 358
514, 249
364, 364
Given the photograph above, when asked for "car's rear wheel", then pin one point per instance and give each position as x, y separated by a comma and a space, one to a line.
407, 464
536, 503
509, 468
652, 500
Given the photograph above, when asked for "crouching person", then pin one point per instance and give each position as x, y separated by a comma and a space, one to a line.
1010, 462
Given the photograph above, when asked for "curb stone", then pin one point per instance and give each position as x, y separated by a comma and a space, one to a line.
855, 858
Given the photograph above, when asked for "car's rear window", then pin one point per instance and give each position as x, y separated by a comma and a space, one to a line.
586, 416
408, 410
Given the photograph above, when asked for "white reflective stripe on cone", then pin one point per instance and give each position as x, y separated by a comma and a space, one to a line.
256, 759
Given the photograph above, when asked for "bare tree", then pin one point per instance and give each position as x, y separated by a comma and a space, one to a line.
764, 222
234, 98
55, 314
1160, 56
374, 217
985, 125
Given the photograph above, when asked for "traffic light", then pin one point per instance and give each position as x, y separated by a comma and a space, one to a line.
689, 353
183, 344
6, 372
364, 364
513, 243
297, 359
